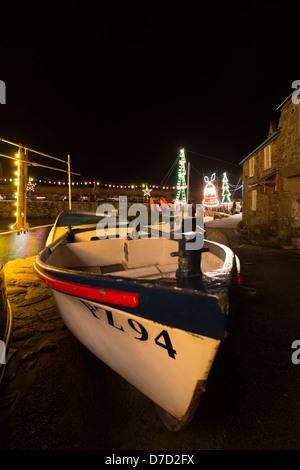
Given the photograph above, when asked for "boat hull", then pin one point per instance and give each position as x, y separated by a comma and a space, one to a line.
168, 365
159, 333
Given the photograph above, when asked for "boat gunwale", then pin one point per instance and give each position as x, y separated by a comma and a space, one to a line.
229, 260
202, 311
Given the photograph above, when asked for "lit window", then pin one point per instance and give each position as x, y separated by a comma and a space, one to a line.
253, 199
251, 166
267, 157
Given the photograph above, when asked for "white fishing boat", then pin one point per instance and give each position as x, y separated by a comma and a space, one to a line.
151, 310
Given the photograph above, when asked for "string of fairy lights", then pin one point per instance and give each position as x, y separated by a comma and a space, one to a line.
25, 184
88, 183
210, 192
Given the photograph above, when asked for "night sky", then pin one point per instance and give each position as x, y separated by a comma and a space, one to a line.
123, 88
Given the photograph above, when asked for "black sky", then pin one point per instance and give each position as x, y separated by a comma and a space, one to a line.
122, 88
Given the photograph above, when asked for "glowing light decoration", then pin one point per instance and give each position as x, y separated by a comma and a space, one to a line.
30, 187
210, 193
225, 190
21, 181
147, 191
181, 182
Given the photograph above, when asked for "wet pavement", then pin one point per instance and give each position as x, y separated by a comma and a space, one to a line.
70, 400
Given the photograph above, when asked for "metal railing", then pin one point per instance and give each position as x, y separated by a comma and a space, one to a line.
28, 228
21, 160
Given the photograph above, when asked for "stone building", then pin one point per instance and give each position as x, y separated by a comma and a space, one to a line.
271, 179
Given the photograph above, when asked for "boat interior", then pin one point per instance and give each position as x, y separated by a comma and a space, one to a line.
145, 258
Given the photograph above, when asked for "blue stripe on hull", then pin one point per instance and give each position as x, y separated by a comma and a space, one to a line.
196, 311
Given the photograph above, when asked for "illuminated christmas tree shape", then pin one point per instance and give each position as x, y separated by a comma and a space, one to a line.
181, 181
225, 190
210, 193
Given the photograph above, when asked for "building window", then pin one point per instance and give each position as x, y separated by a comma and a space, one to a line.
251, 167
253, 199
267, 157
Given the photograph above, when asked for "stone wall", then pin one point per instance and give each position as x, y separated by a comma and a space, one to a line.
277, 213
50, 209
289, 204
266, 214
51, 192
44, 209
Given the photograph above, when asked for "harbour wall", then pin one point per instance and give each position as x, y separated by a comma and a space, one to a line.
51, 209
44, 209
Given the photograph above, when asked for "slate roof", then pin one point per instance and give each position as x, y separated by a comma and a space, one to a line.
261, 146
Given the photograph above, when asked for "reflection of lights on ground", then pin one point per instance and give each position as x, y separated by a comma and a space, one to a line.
14, 246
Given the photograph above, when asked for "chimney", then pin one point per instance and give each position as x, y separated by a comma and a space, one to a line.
272, 128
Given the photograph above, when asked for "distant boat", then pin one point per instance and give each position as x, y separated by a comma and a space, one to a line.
6, 322
151, 310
